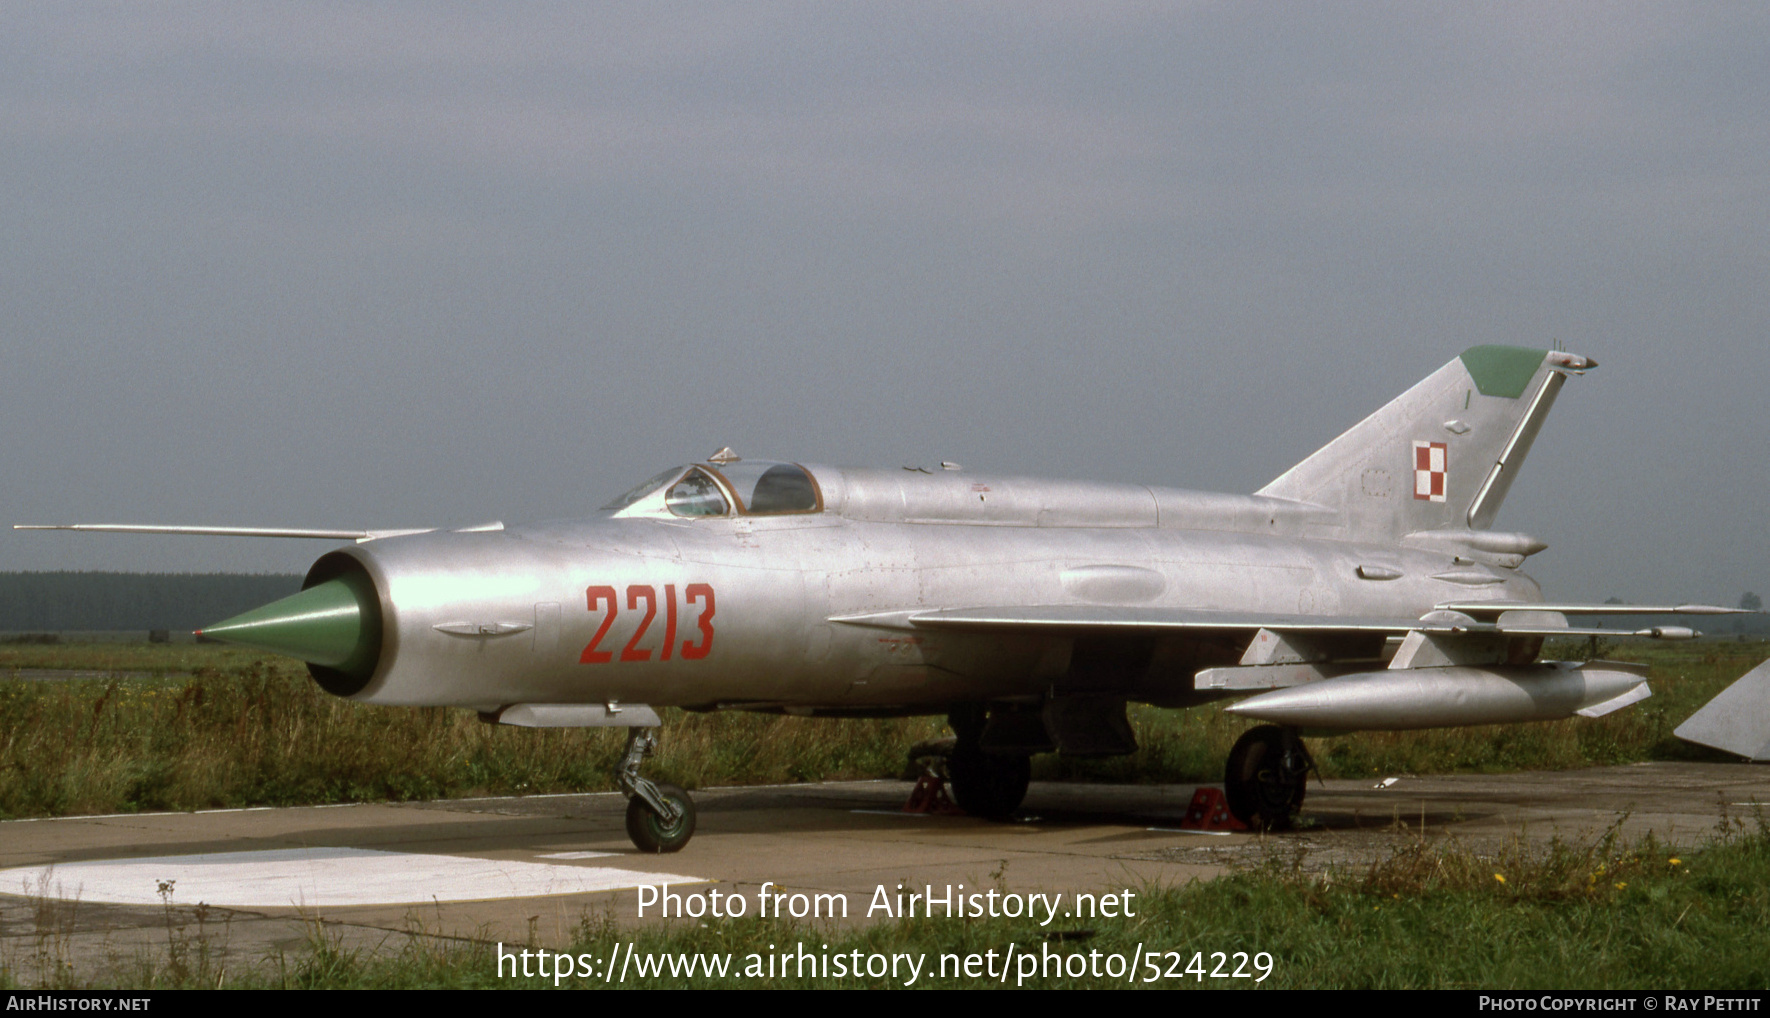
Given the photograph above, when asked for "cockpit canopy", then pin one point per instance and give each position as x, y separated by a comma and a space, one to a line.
750, 487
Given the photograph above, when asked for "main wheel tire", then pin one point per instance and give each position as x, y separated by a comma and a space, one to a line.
1265, 779
988, 784
648, 830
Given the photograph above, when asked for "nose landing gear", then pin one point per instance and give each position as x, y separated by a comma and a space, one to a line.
660, 816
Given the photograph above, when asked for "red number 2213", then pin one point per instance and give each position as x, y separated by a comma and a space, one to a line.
691, 650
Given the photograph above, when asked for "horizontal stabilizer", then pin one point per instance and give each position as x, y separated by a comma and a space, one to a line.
1738, 720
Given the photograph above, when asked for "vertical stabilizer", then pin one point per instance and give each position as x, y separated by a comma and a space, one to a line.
1443, 454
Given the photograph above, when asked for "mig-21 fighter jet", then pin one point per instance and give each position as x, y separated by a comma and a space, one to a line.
1363, 589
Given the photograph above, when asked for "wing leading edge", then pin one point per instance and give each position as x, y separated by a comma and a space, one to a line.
1487, 617
359, 536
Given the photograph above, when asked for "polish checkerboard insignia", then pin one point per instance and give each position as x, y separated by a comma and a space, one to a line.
1429, 471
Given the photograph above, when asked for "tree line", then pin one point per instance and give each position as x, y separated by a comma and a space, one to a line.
54, 602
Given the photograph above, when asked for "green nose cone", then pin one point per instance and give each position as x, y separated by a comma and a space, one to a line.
336, 624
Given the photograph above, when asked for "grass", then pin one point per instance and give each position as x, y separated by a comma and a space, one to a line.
261, 733
241, 729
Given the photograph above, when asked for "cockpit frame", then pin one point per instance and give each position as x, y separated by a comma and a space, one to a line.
655, 502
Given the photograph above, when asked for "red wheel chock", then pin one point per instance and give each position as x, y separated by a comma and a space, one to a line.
1209, 811
929, 796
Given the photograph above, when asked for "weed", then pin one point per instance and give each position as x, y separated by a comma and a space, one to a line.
193, 961
54, 918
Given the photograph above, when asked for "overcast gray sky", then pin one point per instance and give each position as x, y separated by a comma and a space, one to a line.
392, 265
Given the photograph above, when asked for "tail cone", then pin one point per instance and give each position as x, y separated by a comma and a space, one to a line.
335, 624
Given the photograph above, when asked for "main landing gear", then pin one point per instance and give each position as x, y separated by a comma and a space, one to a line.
660, 816
984, 784
1266, 777
988, 784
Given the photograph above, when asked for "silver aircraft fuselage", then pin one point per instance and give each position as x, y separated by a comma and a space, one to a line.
804, 612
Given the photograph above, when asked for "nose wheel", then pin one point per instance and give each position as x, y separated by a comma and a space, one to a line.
1266, 777
660, 816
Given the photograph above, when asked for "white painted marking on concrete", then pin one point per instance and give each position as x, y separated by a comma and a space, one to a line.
175, 813
316, 877
87, 816
1189, 830
575, 855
